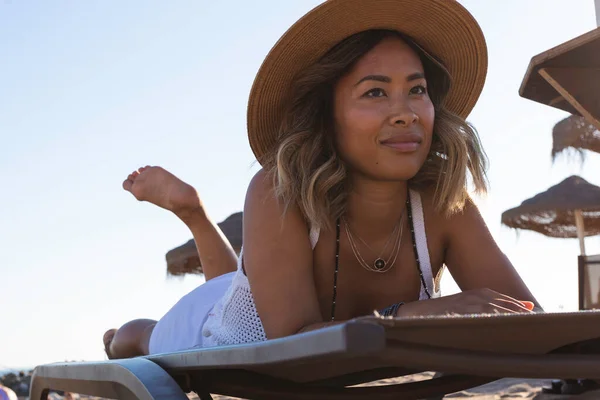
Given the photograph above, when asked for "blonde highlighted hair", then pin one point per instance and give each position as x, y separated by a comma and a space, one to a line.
308, 172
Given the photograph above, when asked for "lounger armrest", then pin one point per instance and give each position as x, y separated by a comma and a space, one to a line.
135, 378
351, 339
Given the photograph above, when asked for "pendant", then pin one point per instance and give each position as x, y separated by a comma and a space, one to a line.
379, 264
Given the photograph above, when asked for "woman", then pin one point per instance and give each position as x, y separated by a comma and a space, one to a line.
362, 198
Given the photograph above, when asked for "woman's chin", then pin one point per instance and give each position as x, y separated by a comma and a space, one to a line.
398, 172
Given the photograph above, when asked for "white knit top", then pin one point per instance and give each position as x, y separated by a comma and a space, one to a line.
234, 319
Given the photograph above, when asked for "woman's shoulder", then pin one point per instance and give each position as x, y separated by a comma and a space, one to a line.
440, 220
265, 208
428, 199
260, 184
261, 198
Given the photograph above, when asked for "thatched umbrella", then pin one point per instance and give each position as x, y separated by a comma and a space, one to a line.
185, 260
575, 133
570, 209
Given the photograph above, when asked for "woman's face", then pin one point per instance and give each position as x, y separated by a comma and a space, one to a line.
383, 115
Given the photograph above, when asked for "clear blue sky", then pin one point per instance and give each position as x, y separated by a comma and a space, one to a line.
91, 90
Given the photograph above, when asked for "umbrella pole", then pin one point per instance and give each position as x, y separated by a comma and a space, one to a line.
580, 231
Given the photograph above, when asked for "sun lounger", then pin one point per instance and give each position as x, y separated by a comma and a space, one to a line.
467, 350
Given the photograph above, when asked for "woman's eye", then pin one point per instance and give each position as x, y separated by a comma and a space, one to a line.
419, 89
377, 92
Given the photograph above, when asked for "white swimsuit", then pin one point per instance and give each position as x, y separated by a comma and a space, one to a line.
222, 311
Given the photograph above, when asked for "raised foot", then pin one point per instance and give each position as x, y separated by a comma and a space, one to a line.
158, 186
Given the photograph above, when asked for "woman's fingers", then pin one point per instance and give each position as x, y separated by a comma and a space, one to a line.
517, 303
506, 310
528, 305
513, 305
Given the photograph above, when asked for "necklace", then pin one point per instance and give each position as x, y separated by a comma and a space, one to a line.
337, 257
380, 264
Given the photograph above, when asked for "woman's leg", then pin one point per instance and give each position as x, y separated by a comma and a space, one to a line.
130, 340
159, 187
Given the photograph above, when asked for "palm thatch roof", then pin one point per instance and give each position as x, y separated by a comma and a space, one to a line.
184, 259
552, 213
575, 134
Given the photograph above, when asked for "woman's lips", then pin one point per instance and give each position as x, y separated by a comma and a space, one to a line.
404, 143
405, 147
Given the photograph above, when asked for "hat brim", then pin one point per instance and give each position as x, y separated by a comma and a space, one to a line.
443, 28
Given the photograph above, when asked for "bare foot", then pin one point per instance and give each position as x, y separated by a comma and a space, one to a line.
158, 186
107, 339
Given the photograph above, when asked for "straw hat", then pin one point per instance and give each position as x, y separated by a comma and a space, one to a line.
443, 28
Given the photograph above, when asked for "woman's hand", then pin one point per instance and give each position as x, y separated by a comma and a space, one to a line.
477, 301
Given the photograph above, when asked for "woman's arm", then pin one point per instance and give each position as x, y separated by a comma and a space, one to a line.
278, 261
475, 261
